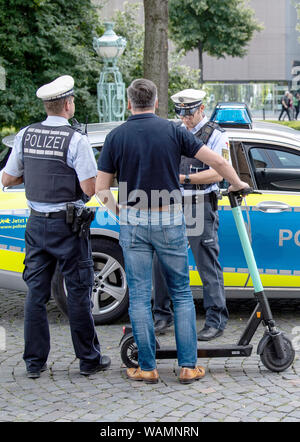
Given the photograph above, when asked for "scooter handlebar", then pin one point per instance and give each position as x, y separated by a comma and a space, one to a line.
240, 193
236, 197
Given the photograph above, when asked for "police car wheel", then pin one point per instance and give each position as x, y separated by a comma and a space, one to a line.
110, 291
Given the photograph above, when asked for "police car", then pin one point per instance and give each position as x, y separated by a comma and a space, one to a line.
265, 155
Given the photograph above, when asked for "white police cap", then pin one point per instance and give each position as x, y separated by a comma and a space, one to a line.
59, 88
188, 97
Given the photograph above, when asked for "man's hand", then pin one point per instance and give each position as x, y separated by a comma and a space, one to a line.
103, 183
240, 186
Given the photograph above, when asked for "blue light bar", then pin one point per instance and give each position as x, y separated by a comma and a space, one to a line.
232, 115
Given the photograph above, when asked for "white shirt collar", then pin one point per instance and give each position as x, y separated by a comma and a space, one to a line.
199, 125
55, 120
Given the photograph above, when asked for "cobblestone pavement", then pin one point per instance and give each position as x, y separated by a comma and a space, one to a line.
234, 389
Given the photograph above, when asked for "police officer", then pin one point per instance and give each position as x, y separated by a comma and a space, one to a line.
57, 165
194, 176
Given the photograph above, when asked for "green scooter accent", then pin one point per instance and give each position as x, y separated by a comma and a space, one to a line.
248, 252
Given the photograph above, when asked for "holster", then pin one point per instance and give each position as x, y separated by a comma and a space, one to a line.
82, 219
214, 200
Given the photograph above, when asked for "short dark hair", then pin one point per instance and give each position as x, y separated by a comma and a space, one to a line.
142, 94
55, 107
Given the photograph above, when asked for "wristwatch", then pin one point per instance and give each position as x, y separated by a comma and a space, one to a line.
187, 179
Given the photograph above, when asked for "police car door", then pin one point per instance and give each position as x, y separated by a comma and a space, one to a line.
232, 259
274, 214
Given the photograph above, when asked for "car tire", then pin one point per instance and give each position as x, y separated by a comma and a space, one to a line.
110, 291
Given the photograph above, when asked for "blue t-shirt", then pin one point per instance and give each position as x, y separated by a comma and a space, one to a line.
145, 153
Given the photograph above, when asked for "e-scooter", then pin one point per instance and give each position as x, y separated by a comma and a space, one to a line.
275, 349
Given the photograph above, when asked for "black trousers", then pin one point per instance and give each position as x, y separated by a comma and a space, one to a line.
283, 110
49, 241
205, 248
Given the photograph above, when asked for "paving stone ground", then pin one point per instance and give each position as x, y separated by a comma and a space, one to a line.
233, 390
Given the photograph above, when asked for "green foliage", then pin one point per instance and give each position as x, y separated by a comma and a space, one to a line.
41, 40
221, 26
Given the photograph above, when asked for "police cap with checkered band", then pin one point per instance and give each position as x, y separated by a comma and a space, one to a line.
187, 101
61, 87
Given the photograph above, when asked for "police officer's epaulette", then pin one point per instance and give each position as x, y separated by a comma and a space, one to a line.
78, 127
206, 131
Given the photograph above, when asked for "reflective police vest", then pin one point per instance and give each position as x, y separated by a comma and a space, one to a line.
47, 177
188, 166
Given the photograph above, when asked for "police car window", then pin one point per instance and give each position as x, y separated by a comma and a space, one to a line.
259, 158
240, 162
286, 159
275, 169
273, 158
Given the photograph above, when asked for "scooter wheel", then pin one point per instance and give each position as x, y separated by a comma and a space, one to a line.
270, 359
129, 353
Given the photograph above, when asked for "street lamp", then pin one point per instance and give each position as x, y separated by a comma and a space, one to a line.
111, 103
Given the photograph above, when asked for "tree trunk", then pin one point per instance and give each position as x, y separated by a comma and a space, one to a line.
156, 50
200, 54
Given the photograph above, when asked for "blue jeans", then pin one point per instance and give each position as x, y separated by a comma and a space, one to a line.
142, 233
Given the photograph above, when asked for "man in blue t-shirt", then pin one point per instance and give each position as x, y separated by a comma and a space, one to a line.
145, 153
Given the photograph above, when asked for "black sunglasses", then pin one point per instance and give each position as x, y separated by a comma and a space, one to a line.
183, 112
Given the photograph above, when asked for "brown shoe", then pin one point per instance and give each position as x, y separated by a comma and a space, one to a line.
189, 375
136, 374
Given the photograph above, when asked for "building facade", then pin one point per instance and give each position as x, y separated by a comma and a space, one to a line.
265, 72
271, 52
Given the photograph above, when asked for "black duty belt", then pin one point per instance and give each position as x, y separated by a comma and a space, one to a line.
60, 214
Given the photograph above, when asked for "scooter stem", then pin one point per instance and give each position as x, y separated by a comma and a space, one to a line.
249, 256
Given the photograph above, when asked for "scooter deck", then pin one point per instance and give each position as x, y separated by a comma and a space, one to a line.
207, 351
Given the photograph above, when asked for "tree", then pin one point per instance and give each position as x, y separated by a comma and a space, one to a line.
156, 49
217, 27
131, 62
40, 40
